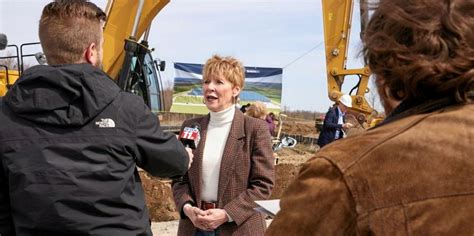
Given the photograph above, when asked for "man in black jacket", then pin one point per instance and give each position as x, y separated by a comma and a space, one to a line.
334, 125
70, 139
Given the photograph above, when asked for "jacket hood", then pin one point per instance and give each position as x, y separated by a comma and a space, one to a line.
61, 95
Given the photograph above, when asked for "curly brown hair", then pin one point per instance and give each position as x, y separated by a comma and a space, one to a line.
422, 49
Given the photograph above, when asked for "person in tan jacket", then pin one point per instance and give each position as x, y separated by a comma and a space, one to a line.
413, 174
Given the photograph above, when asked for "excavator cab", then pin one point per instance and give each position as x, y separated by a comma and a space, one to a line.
13, 64
127, 60
140, 75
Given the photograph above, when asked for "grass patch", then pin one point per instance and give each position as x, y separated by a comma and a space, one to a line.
188, 99
178, 108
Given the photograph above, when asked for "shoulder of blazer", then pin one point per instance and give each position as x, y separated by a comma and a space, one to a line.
254, 124
201, 120
252, 121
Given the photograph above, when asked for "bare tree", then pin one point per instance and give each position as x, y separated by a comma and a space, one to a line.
168, 94
10, 62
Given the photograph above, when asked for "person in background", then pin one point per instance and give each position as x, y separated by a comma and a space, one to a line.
259, 111
334, 124
413, 173
244, 108
233, 165
271, 121
71, 140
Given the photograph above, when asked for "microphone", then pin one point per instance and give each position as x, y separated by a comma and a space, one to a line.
190, 136
3, 41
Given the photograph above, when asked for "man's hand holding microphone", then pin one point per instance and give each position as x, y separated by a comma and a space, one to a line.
190, 137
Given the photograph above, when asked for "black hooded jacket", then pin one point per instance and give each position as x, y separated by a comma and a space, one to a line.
70, 141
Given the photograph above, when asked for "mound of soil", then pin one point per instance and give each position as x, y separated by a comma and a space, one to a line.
300, 127
159, 198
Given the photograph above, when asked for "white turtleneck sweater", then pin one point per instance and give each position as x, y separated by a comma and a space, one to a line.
216, 138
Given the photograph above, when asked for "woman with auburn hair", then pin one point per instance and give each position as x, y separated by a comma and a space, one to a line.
413, 173
232, 165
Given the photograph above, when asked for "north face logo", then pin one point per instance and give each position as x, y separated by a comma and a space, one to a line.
105, 123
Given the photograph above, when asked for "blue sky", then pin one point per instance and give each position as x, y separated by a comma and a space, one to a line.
264, 33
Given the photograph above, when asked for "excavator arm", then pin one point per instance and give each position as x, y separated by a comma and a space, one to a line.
337, 25
126, 20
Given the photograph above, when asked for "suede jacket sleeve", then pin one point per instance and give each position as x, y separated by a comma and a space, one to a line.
318, 202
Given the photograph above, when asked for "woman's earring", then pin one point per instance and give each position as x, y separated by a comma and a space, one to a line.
203, 100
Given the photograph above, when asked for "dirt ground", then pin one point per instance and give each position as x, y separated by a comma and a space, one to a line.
165, 228
159, 194
299, 127
170, 228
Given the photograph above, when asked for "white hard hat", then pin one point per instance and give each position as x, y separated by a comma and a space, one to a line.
346, 100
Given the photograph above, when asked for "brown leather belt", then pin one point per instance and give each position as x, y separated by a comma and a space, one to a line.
208, 205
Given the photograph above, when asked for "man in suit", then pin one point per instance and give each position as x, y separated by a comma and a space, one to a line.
334, 124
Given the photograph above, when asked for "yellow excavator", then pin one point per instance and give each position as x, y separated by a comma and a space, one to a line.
125, 59
10, 66
337, 20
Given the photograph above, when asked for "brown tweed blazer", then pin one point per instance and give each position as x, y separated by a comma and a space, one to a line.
246, 175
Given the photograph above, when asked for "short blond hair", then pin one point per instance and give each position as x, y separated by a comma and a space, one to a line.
67, 28
227, 67
257, 110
